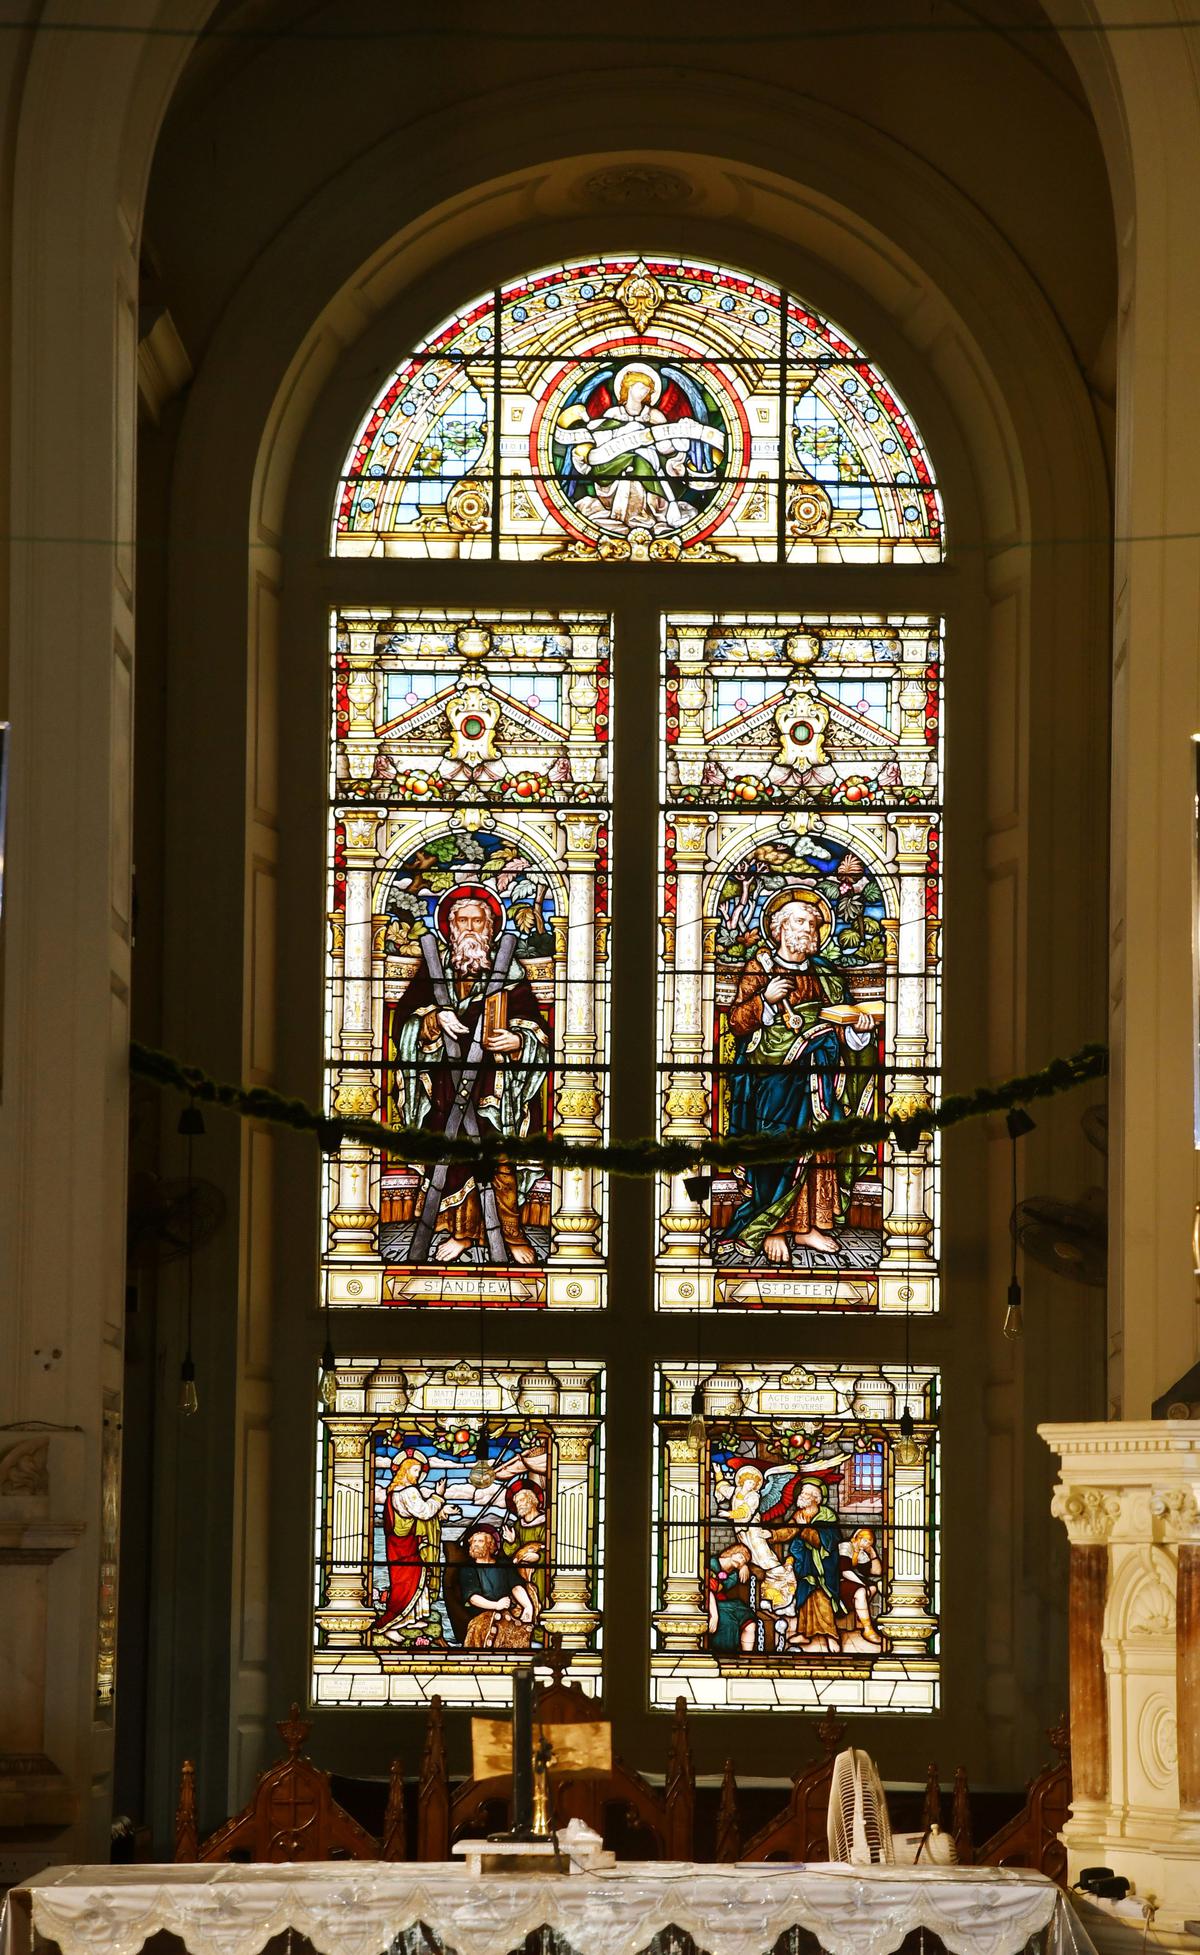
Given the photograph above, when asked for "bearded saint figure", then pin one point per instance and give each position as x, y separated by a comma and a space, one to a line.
446, 1010
792, 1066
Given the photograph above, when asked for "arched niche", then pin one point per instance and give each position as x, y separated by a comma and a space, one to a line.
362, 269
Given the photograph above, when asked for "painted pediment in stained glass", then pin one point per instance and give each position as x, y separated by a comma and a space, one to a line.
635, 407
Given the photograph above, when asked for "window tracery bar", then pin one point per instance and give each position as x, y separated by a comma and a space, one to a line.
467, 965
801, 956
639, 408
796, 1538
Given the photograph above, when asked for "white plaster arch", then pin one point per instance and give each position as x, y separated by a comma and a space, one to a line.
378, 255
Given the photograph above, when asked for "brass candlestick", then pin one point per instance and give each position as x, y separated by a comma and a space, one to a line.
543, 1758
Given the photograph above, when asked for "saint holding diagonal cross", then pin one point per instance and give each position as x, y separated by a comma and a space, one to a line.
474, 1051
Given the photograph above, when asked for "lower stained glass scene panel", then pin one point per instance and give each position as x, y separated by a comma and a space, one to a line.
458, 1520
796, 1550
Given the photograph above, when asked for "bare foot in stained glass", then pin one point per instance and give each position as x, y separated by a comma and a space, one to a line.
523, 1253
451, 1250
777, 1249
817, 1239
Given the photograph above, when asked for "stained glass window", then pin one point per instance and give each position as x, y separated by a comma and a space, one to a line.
796, 1538
458, 1523
800, 916
468, 949
639, 407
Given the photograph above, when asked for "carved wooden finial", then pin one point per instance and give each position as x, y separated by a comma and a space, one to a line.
433, 1790
556, 1660
395, 1831
293, 1730
187, 1838
729, 1831
932, 1811
680, 1799
964, 1843
1060, 1737
831, 1734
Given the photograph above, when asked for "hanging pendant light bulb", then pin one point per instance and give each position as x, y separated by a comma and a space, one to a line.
483, 1473
188, 1401
908, 1450
1014, 1316
191, 1123
697, 1431
1019, 1124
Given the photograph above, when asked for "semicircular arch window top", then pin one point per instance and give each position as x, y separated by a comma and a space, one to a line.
633, 407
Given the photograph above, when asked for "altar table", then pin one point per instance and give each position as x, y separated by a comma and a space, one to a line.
357, 1907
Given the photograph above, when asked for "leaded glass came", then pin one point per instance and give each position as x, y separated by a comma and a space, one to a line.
800, 980
458, 1524
466, 974
796, 1537
639, 408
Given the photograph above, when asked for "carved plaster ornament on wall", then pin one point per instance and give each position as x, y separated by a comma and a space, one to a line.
623, 184
1151, 1610
24, 1468
1179, 1511
1088, 1513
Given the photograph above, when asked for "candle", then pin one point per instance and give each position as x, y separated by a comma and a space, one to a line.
522, 1753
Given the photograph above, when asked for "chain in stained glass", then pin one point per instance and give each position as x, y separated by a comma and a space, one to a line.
800, 978
796, 1537
459, 1510
639, 407
468, 950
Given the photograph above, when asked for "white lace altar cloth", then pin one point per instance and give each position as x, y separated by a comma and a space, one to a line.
359, 1908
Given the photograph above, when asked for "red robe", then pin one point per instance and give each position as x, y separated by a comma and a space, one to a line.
404, 1564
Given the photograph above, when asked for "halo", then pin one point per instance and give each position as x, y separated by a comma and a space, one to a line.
627, 372
514, 1488
478, 894
782, 896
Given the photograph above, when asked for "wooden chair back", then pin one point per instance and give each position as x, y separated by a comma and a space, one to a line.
620, 1804
292, 1815
801, 1830
1031, 1839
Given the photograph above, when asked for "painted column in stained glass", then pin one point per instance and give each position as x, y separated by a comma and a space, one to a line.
795, 1556
801, 784
459, 1517
466, 979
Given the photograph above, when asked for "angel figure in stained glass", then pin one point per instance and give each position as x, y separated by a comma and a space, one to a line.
801, 1054
637, 451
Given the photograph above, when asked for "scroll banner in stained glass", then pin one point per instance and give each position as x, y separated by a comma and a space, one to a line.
800, 976
645, 408
458, 1525
467, 987
796, 1538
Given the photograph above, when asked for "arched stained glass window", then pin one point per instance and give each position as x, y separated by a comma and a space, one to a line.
623, 407
496, 769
